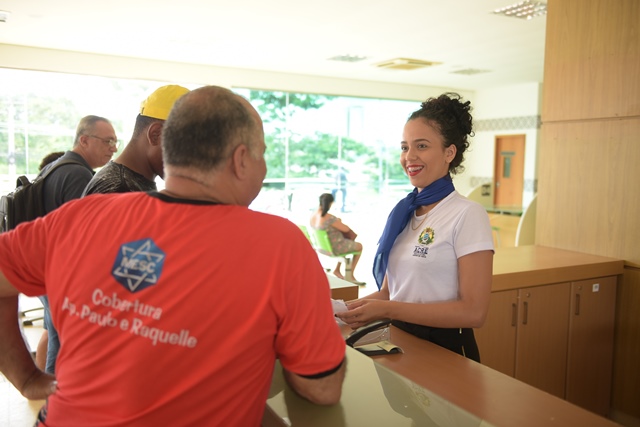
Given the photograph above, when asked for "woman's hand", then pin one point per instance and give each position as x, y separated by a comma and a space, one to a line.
363, 311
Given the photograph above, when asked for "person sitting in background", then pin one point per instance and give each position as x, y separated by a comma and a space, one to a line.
162, 321
341, 236
136, 168
434, 262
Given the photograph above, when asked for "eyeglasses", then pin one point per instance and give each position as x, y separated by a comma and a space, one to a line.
112, 142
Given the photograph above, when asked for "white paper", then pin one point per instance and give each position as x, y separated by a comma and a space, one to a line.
339, 306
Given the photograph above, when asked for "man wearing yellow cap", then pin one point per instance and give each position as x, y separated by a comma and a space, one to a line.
140, 162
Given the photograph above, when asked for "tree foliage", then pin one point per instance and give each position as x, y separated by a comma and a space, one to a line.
277, 106
39, 125
309, 155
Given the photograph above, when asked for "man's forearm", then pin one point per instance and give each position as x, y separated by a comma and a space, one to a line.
322, 391
16, 362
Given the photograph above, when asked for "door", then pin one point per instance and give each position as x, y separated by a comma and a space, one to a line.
508, 172
497, 337
542, 337
591, 332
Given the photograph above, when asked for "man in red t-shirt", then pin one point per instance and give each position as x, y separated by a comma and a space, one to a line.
173, 306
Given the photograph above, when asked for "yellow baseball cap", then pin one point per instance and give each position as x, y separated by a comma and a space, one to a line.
159, 103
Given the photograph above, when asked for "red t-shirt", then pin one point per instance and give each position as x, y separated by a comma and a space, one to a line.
172, 313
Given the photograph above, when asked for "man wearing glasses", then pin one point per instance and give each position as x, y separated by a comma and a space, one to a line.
94, 145
140, 162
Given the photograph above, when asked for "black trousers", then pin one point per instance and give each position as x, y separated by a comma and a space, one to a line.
461, 341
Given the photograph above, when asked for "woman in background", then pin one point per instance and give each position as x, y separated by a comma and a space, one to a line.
341, 236
433, 266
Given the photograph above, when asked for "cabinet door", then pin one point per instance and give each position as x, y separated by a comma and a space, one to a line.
591, 329
542, 337
497, 337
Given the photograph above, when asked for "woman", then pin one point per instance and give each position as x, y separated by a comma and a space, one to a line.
434, 261
341, 236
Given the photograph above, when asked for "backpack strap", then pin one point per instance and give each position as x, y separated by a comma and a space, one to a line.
56, 165
22, 181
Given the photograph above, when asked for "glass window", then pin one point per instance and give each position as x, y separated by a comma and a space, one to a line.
39, 112
319, 143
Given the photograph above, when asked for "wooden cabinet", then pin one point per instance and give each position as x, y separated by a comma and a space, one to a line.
541, 339
497, 337
590, 359
526, 335
558, 338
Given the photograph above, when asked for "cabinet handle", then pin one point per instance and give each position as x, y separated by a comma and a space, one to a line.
526, 312
514, 314
577, 304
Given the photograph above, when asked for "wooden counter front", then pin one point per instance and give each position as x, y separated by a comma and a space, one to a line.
525, 266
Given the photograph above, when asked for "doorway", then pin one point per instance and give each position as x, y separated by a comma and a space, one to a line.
508, 174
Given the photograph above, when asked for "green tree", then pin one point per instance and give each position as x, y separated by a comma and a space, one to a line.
275, 109
311, 155
277, 106
308, 154
39, 125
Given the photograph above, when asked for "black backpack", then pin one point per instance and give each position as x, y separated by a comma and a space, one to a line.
26, 202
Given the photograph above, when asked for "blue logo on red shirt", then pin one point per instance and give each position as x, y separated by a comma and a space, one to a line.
138, 265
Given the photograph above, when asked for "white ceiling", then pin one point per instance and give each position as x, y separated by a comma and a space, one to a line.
296, 36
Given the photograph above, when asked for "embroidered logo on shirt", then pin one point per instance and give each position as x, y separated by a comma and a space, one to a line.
138, 265
427, 236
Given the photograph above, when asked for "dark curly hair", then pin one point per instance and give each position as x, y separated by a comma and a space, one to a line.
450, 115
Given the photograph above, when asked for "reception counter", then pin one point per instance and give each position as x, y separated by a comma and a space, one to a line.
425, 386
373, 395
526, 266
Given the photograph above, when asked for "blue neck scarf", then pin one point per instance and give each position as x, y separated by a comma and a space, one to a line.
399, 217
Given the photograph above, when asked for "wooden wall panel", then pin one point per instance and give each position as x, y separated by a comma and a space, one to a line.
592, 60
589, 188
589, 158
626, 373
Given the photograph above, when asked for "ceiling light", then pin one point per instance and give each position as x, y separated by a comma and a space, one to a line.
4, 15
348, 58
470, 71
524, 10
405, 64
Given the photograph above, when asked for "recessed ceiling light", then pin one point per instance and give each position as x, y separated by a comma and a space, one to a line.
348, 58
524, 10
405, 64
4, 15
470, 71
